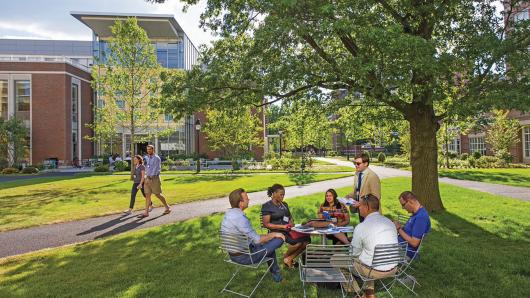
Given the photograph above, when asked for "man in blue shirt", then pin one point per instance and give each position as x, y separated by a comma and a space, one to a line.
235, 221
418, 224
152, 184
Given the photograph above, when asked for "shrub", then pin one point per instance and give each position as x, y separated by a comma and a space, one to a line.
472, 162
235, 165
332, 153
30, 170
121, 166
477, 155
101, 169
464, 156
381, 157
504, 156
9, 171
488, 162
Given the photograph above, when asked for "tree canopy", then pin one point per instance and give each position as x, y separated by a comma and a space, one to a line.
427, 60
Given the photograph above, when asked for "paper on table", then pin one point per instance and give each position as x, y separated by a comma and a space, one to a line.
345, 201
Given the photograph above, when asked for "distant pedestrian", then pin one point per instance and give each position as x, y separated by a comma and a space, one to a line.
138, 184
111, 162
152, 184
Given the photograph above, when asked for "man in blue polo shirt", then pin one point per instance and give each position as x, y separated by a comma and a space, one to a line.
418, 224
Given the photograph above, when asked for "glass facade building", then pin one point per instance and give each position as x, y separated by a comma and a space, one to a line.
173, 50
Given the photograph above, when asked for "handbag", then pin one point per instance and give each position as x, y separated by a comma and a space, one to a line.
296, 235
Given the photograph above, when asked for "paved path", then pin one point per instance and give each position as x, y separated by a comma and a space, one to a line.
521, 193
49, 236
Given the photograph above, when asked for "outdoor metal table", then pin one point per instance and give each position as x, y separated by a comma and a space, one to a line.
323, 231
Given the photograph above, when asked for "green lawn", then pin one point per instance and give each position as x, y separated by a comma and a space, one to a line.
479, 247
57, 199
514, 176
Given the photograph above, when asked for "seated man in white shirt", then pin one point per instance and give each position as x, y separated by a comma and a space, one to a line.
235, 221
374, 230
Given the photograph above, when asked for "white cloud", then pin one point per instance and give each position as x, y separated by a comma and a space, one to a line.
37, 31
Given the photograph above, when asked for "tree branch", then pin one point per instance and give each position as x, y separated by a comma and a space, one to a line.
395, 14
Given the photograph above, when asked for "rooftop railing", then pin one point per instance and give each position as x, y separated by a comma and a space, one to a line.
49, 59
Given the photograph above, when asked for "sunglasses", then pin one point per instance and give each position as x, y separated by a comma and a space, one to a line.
358, 163
403, 204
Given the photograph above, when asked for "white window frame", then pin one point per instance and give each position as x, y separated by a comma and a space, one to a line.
526, 141
481, 145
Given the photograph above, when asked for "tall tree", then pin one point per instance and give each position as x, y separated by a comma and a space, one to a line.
233, 132
127, 80
13, 142
503, 134
425, 59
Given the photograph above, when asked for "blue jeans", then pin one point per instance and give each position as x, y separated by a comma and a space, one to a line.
270, 251
134, 191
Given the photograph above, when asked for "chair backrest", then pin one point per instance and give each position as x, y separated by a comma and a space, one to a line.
389, 254
319, 256
234, 243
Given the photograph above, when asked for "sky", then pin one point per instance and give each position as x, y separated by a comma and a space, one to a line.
51, 19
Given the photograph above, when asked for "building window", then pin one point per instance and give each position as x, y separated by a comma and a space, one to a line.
454, 145
477, 144
120, 103
168, 117
75, 120
22, 111
3, 99
526, 141
22, 95
521, 16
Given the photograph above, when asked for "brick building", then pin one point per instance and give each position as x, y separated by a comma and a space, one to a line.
53, 97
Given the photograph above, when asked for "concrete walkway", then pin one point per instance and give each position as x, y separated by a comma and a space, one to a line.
516, 192
49, 236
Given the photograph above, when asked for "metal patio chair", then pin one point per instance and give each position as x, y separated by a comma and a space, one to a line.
326, 263
385, 254
239, 244
403, 275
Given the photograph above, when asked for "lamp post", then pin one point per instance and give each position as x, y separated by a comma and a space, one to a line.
198, 129
280, 133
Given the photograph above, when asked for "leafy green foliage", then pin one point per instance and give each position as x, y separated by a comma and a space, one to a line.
233, 132
30, 170
503, 134
9, 171
121, 165
101, 169
427, 61
13, 141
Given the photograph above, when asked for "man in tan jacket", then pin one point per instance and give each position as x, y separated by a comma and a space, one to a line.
365, 182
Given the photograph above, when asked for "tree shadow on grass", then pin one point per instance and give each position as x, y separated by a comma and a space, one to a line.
459, 258
498, 177
200, 178
41, 178
302, 178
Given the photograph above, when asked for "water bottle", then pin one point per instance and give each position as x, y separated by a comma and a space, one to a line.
326, 215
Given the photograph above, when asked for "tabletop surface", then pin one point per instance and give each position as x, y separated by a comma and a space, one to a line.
325, 231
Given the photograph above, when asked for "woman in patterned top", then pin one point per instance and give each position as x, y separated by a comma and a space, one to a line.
338, 213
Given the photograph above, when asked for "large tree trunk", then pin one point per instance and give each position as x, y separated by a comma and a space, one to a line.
424, 156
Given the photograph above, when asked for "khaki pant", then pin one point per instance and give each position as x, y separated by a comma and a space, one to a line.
365, 272
152, 185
